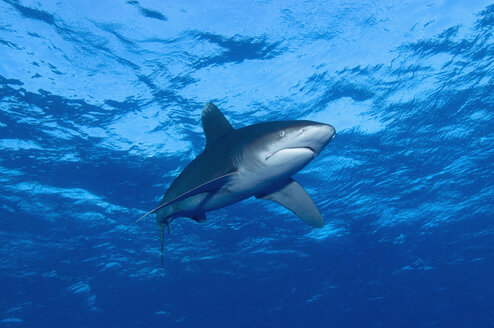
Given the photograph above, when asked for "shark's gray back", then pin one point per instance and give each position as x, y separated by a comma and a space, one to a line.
211, 163
216, 159
221, 156
222, 152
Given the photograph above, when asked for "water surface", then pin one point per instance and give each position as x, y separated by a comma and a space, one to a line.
100, 108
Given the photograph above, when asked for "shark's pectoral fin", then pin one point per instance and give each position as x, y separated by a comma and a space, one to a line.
296, 199
210, 185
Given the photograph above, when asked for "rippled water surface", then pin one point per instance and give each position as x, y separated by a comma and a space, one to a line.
100, 106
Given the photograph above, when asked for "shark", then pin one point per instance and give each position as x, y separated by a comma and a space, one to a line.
257, 160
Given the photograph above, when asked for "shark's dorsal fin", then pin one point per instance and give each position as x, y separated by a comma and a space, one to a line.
215, 125
296, 199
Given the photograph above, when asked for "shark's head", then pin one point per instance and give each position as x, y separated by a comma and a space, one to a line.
282, 148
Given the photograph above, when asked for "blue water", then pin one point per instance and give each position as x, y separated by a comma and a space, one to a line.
100, 105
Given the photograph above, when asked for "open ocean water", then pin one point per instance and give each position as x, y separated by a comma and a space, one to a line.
100, 108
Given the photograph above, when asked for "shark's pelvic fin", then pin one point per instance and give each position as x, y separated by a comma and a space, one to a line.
215, 125
200, 218
296, 199
210, 185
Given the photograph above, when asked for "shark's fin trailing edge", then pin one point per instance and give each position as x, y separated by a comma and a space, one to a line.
295, 198
214, 123
200, 218
205, 187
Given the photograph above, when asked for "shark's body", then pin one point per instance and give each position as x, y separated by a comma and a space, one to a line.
257, 160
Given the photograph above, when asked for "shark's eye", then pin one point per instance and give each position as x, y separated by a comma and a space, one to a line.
282, 133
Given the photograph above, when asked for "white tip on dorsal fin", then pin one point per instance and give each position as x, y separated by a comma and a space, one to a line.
215, 125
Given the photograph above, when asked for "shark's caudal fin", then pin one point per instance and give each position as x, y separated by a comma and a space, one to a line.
162, 230
296, 199
214, 123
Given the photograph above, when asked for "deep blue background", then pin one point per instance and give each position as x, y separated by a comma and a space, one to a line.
100, 109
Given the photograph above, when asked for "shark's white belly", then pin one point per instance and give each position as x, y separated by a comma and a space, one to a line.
252, 179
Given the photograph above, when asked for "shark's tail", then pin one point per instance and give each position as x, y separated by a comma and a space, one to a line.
163, 218
162, 230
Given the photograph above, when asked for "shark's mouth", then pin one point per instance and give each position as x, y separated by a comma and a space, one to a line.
294, 151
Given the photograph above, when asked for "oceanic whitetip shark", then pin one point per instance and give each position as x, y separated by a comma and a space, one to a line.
256, 160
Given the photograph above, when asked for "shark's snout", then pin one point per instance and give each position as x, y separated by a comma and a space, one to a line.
325, 131
330, 130
293, 149
318, 135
